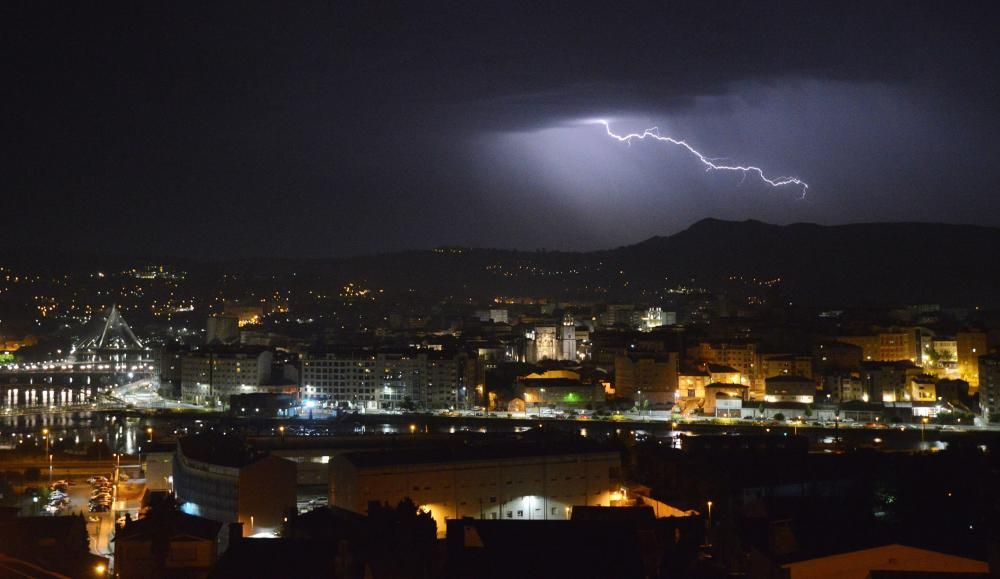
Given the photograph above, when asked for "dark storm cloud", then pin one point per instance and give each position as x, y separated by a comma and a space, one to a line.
332, 128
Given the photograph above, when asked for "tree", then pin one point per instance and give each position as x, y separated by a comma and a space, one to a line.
400, 540
779, 417
808, 412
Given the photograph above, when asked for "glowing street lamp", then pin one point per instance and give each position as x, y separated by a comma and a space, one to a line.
709, 522
149, 433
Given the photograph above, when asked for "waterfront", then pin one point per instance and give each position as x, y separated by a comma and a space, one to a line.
125, 431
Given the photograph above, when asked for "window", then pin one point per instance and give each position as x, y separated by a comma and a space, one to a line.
553, 511
493, 499
520, 514
510, 515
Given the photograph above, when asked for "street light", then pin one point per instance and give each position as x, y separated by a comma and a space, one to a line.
149, 433
923, 424
710, 522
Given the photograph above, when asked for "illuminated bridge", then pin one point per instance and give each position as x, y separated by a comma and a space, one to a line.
108, 355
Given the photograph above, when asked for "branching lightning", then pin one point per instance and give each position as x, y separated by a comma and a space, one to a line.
710, 163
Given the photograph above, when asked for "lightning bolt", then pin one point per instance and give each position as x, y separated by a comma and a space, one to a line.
710, 163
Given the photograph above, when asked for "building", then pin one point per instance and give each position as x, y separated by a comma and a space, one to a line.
618, 315
558, 389
542, 344
245, 315
345, 378
970, 346
790, 389
890, 346
742, 356
654, 318
171, 356
653, 374
719, 391
158, 464
837, 356
370, 379
537, 480
922, 388
692, 382
221, 478
720, 373
170, 543
222, 329
727, 406
887, 381
211, 375
892, 560
842, 387
786, 365
495, 315
567, 338
989, 387
448, 381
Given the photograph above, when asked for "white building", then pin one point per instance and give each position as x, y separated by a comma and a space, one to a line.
655, 317
383, 380
211, 375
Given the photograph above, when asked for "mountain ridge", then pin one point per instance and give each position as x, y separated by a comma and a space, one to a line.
830, 265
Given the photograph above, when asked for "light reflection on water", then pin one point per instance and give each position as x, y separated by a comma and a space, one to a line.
128, 434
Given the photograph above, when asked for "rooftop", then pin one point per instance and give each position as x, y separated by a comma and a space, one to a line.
218, 449
472, 452
176, 522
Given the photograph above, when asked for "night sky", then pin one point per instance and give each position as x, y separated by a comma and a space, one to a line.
298, 128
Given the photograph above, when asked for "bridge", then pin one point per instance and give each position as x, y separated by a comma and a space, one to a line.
107, 356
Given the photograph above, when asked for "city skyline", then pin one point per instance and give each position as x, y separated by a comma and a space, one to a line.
356, 289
